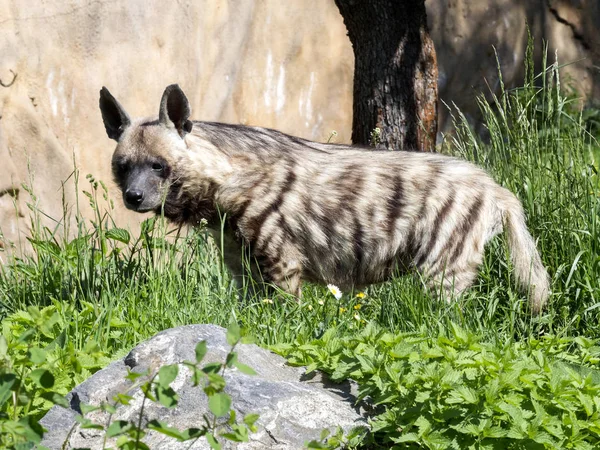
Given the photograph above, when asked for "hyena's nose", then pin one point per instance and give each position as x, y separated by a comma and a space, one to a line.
134, 197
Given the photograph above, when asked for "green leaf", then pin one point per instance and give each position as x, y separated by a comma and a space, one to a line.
119, 234
166, 396
166, 374
423, 424
7, 381
460, 335
26, 336
132, 376
366, 364
239, 434
462, 394
231, 359
214, 444
36, 355
42, 377
219, 404
123, 399
111, 409
118, 427
201, 350
164, 428
244, 368
250, 419
311, 368
32, 430
216, 383
315, 444
587, 402
3, 347
234, 334
147, 226
56, 399
212, 368
232, 417
193, 433
86, 409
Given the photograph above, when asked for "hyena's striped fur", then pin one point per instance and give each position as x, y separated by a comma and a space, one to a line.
311, 212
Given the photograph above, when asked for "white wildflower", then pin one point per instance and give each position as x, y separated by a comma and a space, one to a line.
335, 291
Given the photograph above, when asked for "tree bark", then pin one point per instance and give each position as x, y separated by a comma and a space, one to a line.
395, 74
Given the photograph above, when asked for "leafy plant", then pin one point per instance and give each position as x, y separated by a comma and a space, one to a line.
455, 391
38, 365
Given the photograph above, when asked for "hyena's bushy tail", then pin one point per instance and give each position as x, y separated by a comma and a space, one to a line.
530, 273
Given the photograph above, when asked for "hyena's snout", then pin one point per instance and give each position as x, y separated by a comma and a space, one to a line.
142, 190
133, 198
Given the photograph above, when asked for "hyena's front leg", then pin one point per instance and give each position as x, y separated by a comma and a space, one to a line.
243, 268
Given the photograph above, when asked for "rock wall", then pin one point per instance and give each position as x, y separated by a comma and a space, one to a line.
466, 32
286, 65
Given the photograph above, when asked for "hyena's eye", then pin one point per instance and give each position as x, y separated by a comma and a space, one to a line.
122, 167
158, 167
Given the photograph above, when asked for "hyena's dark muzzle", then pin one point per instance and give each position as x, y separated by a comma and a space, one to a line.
142, 189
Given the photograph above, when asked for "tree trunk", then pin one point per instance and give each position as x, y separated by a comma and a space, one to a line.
395, 74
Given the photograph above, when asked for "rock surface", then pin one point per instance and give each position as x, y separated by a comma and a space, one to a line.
292, 411
285, 65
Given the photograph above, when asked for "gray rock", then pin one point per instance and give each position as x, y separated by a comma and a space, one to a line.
292, 409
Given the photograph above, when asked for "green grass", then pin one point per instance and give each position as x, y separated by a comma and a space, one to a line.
106, 291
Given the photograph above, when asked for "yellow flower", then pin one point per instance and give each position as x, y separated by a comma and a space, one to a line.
335, 291
268, 300
357, 306
361, 295
342, 310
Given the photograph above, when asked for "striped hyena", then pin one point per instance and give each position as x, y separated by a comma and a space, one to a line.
308, 211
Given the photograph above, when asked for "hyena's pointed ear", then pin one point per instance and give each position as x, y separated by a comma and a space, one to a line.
114, 116
175, 110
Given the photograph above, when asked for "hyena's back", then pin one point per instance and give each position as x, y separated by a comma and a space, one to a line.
356, 217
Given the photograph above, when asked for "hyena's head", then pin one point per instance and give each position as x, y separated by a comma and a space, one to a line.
144, 163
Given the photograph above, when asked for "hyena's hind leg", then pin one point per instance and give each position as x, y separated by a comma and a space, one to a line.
455, 270
451, 280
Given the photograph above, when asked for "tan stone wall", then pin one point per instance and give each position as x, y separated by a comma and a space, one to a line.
281, 64
285, 65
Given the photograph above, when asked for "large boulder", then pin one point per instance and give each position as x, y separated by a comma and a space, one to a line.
292, 411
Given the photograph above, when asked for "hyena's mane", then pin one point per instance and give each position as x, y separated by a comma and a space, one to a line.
240, 140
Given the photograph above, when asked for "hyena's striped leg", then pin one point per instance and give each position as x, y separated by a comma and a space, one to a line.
452, 284
243, 268
285, 273
454, 277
